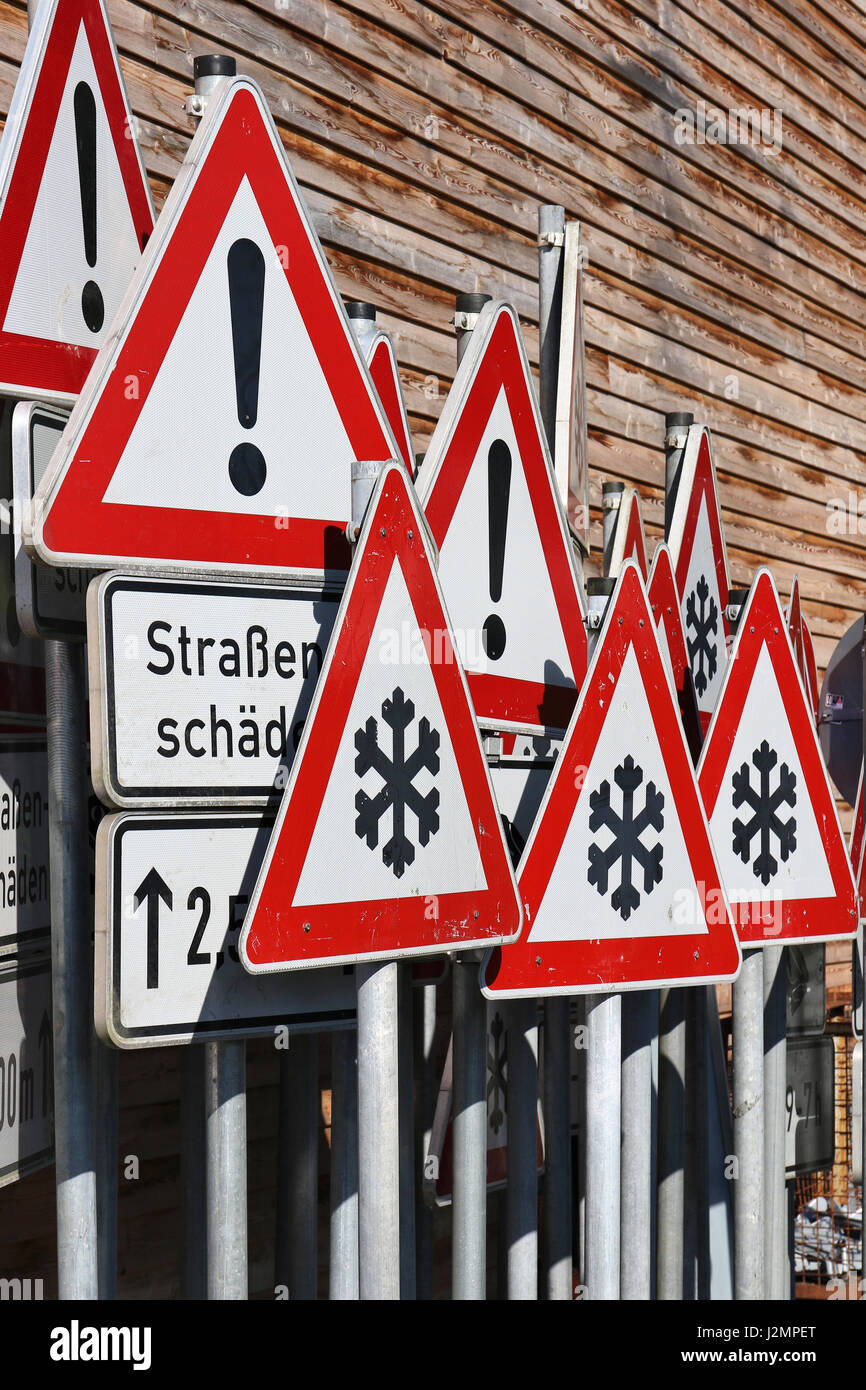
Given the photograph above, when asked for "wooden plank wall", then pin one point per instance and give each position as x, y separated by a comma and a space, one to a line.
724, 279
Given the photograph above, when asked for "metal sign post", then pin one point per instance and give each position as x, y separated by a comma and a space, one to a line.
521, 1204
343, 1267
298, 1168
777, 1282
556, 1245
378, 1132
72, 979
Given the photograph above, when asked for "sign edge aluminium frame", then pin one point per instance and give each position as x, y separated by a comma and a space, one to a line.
103, 751
386, 954
572, 345
607, 986
108, 953
20, 106
105, 363
763, 573
428, 475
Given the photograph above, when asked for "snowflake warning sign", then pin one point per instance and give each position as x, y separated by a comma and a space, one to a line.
697, 547
388, 841
763, 782
619, 881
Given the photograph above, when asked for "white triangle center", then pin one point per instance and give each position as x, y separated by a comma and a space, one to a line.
805, 873
535, 648
341, 866
670, 907
46, 300
178, 452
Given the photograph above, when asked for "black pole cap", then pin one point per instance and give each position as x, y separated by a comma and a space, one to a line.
471, 303
358, 309
214, 65
676, 419
610, 486
600, 588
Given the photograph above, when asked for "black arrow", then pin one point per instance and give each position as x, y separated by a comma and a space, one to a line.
153, 887
45, 1047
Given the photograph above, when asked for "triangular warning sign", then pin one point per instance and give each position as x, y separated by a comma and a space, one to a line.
628, 541
768, 800
386, 379
75, 208
619, 882
388, 840
219, 425
506, 566
697, 547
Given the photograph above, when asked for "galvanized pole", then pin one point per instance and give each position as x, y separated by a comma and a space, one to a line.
298, 1168
603, 1118
469, 1095
776, 1278
425, 1101
71, 974
748, 1088
748, 1099
343, 1277
407, 1131
193, 1178
226, 1160
106, 1123
225, 1062
639, 1026
556, 1244
378, 1132
522, 1190
469, 1131
603, 1136
672, 1028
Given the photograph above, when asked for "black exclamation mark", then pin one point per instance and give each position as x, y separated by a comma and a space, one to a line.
246, 268
92, 306
498, 492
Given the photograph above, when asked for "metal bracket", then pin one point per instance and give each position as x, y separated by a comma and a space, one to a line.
676, 440
594, 619
464, 322
611, 501
194, 105
551, 238
492, 745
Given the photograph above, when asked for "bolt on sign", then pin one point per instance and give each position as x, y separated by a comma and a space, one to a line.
697, 545
199, 688
234, 353
75, 206
505, 558
768, 799
388, 840
619, 881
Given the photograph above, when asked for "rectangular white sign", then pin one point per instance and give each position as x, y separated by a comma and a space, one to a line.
172, 891
199, 689
25, 899
26, 1062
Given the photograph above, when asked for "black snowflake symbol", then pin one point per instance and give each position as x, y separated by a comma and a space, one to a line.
703, 619
398, 774
765, 804
627, 830
497, 1056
